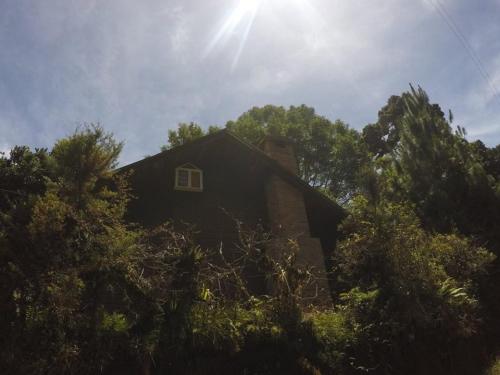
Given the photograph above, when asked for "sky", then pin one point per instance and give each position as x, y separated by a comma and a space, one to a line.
138, 68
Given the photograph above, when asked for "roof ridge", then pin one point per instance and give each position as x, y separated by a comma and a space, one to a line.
272, 163
277, 166
170, 150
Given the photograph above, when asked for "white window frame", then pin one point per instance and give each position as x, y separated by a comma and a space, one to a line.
189, 168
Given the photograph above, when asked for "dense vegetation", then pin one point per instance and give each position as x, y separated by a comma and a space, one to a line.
416, 274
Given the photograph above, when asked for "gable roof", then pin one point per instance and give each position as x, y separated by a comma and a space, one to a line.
255, 152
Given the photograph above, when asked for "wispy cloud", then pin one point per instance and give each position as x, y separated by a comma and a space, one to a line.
139, 68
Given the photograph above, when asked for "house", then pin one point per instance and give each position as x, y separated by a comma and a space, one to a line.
214, 179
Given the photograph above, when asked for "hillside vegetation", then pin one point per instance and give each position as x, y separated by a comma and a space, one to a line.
416, 279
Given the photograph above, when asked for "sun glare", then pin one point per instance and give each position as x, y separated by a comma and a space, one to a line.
250, 5
240, 19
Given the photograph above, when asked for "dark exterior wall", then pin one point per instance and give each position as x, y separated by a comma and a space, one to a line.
323, 223
302, 212
234, 182
289, 219
228, 190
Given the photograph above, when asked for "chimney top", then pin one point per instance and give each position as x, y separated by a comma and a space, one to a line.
280, 149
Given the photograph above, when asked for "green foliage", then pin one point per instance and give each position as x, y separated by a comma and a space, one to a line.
437, 170
382, 137
83, 159
494, 369
397, 281
335, 336
387, 248
186, 133
70, 267
489, 158
414, 275
114, 322
23, 172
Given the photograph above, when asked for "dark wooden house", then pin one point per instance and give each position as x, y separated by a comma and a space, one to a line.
212, 180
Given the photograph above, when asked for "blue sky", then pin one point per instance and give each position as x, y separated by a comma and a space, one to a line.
140, 67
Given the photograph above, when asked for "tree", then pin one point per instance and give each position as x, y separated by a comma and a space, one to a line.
409, 293
489, 157
382, 137
449, 183
437, 170
186, 133
68, 268
23, 173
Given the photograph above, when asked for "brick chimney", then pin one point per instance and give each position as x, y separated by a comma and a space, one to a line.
280, 149
288, 217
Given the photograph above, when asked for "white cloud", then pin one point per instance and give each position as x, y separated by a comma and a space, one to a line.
138, 67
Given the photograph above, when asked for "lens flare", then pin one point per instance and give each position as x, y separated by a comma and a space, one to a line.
242, 16
240, 19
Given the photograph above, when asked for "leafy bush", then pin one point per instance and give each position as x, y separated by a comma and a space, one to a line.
83, 291
494, 369
402, 287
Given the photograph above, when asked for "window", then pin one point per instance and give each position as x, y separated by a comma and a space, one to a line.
189, 178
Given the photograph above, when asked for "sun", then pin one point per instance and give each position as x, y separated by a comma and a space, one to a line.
241, 18
250, 5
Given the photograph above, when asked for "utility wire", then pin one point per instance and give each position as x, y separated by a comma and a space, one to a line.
446, 16
467, 45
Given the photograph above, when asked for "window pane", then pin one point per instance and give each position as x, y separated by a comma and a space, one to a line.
195, 179
182, 177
